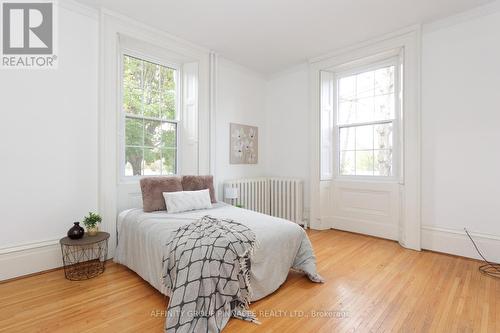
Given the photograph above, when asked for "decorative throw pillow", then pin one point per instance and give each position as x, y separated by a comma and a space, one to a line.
177, 202
196, 183
153, 189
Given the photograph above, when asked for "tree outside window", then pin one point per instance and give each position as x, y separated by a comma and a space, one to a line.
149, 106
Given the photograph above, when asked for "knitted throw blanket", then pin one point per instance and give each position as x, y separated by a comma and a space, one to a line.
206, 269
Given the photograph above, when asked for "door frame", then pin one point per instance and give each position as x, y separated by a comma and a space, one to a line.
409, 40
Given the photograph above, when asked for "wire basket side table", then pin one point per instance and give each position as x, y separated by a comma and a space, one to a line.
84, 258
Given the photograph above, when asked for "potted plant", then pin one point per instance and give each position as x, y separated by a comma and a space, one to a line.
91, 222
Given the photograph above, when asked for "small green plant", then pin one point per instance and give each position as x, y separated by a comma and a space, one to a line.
92, 220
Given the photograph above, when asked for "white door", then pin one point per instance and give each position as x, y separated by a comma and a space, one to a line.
361, 147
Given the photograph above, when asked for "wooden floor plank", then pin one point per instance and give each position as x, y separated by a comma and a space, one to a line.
373, 285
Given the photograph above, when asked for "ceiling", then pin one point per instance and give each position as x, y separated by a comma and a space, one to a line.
272, 35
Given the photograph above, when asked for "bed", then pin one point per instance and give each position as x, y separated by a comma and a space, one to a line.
282, 245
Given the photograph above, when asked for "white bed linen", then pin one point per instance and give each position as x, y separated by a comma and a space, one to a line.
281, 244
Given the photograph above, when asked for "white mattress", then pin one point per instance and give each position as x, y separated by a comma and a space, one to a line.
281, 244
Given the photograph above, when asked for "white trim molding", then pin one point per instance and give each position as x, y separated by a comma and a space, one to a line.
29, 258
79, 8
213, 63
456, 242
409, 41
471, 14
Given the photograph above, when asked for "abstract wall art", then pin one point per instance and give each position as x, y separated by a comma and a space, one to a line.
244, 143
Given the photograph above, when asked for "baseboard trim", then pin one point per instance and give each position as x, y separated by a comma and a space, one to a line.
29, 258
456, 242
28, 246
31, 274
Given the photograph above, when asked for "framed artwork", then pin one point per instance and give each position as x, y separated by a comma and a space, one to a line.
244, 143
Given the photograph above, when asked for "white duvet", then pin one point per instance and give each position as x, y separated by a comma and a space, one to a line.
281, 245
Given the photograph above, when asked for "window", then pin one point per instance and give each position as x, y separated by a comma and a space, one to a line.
150, 107
366, 119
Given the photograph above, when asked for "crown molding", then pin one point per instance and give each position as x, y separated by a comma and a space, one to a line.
469, 15
156, 35
303, 66
79, 8
413, 29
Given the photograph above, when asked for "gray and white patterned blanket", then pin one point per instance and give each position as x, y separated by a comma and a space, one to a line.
207, 275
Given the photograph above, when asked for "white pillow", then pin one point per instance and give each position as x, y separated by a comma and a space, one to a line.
183, 201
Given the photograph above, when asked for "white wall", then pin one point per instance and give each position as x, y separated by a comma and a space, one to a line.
461, 133
287, 122
48, 144
240, 99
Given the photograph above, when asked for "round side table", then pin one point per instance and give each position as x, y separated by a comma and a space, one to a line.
84, 258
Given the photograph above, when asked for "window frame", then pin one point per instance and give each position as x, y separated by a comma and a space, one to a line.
358, 68
159, 60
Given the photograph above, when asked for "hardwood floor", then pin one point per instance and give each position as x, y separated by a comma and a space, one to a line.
373, 285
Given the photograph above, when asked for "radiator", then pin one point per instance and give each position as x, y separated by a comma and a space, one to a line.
253, 193
278, 197
286, 199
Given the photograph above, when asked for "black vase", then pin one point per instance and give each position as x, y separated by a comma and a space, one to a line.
76, 232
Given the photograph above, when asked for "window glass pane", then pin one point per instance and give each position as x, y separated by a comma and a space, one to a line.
383, 162
383, 136
364, 137
133, 161
347, 163
152, 92
366, 97
364, 110
169, 160
168, 105
346, 112
384, 80
152, 133
133, 132
169, 135
384, 107
347, 88
152, 163
364, 163
365, 84
168, 97
347, 138
132, 85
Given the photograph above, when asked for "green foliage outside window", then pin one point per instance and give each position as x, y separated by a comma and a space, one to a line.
149, 104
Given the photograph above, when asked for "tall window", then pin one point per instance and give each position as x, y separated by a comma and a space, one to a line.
151, 117
365, 123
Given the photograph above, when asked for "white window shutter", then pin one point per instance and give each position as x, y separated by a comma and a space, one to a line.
327, 123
